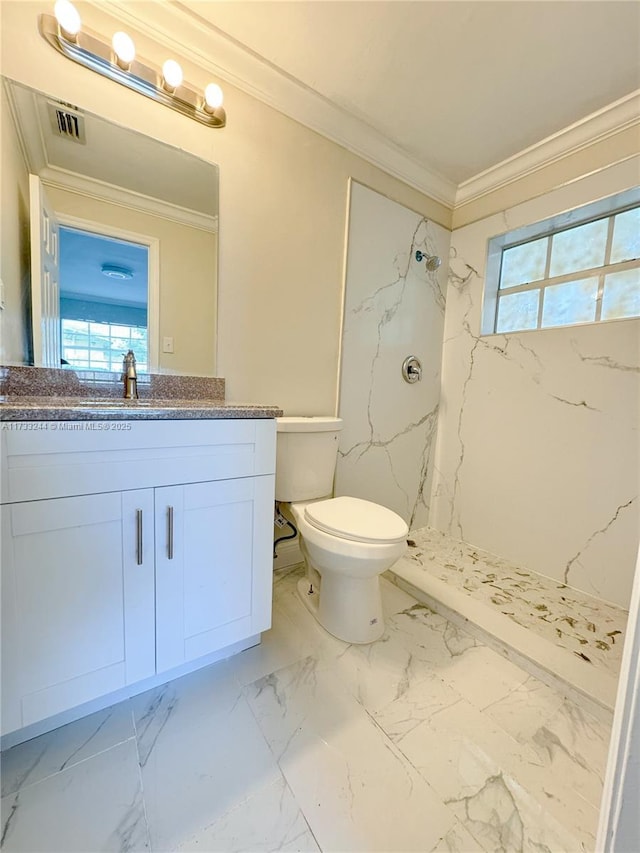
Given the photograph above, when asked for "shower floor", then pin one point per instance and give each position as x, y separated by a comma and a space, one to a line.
567, 634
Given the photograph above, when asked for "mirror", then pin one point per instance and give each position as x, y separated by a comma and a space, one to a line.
134, 226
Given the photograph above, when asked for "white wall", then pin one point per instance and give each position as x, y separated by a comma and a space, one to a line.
393, 308
283, 197
538, 457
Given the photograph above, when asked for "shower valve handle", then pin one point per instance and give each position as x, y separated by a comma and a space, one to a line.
412, 369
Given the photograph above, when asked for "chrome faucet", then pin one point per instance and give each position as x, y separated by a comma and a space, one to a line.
129, 376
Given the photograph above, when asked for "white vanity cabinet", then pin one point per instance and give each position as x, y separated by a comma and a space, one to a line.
207, 596
77, 610
128, 552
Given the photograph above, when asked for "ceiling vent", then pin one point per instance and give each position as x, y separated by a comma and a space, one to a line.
67, 122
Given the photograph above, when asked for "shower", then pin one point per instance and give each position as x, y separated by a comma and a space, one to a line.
432, 262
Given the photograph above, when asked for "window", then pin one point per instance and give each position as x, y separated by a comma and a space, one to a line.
580, 267
100, 346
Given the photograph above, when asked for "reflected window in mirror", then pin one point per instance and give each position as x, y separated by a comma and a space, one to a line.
103, 300
101, 346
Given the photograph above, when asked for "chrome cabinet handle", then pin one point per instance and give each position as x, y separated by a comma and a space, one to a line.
170, 533
139, 537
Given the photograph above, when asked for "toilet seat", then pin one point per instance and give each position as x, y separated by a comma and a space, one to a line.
357, 520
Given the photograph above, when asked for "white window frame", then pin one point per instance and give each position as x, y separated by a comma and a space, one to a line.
601, 209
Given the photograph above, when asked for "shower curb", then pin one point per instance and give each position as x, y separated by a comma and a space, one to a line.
556, 667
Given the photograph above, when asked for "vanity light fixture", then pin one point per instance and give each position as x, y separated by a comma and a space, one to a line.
117, 61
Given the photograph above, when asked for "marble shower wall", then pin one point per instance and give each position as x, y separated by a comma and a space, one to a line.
538, 456
393, 308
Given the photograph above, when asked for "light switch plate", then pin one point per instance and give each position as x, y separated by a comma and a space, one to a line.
167, 345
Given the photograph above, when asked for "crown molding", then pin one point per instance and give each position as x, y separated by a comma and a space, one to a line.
177, 27
28, 131
92, 188
617, 116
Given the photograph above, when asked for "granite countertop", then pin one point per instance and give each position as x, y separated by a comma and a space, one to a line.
53, 394
23, 408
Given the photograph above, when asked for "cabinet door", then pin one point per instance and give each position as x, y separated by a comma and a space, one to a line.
213, 566
77, 601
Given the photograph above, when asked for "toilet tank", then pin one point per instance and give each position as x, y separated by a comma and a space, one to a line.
307, 449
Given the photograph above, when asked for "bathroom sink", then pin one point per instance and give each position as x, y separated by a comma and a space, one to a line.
113, 403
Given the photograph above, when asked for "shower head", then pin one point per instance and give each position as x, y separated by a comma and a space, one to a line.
432, 262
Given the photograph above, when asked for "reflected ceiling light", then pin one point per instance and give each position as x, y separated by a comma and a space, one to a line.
124, 49
115, 271
68, 18
117, 61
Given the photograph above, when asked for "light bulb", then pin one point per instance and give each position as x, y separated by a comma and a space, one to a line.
68, 18
172, 74
124, 49
213, 96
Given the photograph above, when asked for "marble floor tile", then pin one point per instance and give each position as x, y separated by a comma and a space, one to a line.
474, 764
525, 709
50, 753
574, 746
457, 840
269, 820
283, 644
286, 579
201, 753
416, 642
394, 599
426, 740
483, 676
355, 789
94, 805
503, 816
454, 745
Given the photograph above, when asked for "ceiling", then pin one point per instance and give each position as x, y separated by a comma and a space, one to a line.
82, 257
457, 86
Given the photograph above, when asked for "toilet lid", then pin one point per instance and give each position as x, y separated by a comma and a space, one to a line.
353, 518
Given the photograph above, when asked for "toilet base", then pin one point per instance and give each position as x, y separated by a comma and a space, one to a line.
348, 608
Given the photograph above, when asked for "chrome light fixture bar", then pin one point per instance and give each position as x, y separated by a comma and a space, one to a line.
91, 51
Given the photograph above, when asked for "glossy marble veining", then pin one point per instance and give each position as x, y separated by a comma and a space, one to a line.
393, 308
538, 455
426, 740
590, 629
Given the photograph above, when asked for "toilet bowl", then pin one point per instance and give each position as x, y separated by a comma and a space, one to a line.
346, 542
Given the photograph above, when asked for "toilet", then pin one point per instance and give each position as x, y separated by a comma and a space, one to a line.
346, 542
